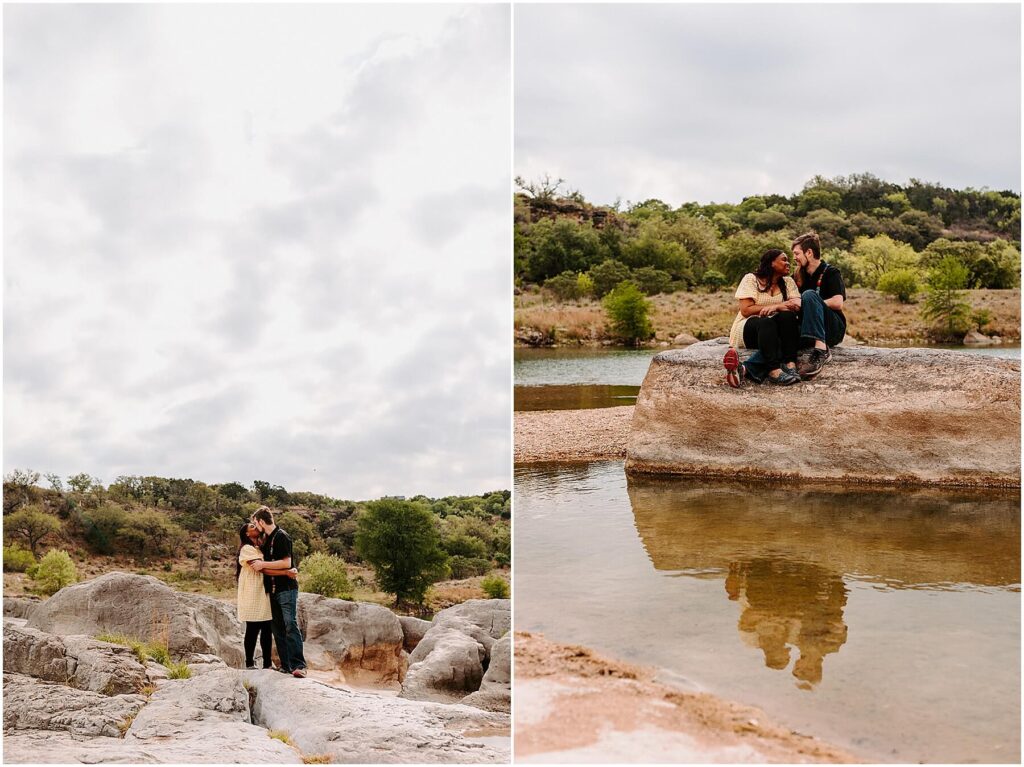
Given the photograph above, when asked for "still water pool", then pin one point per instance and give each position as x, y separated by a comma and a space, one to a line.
884, 622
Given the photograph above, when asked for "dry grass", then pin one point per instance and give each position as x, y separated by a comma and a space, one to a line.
125, 724
873, 316
281, 735
317, 759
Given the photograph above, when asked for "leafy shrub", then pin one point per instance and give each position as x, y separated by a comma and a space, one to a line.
652, 281
495, 587
714, 280
564, 286
467, 567
607, 275
325, 574
628, 312
103, 526
17, 559
979, 318
54, 572
584, 284
901, 283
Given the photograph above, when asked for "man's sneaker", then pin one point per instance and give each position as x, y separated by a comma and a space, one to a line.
299, 673
818, 359
784, 378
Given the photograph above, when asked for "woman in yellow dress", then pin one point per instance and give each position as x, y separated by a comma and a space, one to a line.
253, 600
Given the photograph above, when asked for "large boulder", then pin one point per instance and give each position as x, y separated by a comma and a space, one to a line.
76, 661
143, 607
495, 693
362, 727
20, 607
494, 616
879, 416
32, 704
413, 630
362, 641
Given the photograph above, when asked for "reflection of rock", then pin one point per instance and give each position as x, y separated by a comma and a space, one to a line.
789, 603
450, 660
364, 641
894, 416
143, 607
363, 727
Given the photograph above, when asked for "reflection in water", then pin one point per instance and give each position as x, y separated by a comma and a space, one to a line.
789, 604
786, 554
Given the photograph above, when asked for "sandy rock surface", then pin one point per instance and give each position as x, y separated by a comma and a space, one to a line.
572, 435
356, 726
883, 416
572, 705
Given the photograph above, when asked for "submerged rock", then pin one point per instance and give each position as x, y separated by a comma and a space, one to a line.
881, 416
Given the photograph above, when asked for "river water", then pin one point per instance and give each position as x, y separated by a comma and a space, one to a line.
884, 622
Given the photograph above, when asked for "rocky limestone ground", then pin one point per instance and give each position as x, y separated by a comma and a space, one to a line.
572, 435
572, 705
71, 698
880, 416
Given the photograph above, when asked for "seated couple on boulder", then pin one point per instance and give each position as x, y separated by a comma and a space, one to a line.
779, 315
268, 593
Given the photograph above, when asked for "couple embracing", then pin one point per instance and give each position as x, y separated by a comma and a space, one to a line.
268, 593
779, 315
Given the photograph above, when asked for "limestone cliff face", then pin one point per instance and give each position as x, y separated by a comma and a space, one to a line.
878, 416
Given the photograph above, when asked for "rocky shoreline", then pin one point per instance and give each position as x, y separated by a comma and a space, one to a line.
70, 697
575, 705
572, 435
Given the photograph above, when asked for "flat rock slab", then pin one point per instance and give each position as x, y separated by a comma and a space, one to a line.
878, 416
364, 727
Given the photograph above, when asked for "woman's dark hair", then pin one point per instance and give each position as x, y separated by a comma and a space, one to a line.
243, 537
765, 272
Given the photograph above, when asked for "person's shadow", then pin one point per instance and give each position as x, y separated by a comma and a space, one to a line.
789, 605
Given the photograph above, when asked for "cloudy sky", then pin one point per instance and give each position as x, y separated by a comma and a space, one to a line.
700, 102
259, 242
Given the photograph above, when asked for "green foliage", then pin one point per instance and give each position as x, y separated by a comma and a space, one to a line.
652, 281
466, 567
584, 285
82, 483
303, 533
740, 254
495, 587
980, 318
325, 574
606, 275
147, 533
17, 559
714, 280
628, 312
565, 286
400, 540
102, 527
874, 256
281, 735
560, 246
944, 304
901, 283
54, 572
179, 671
32, 525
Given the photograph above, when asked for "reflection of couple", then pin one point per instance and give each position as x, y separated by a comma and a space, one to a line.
268, 593
778, 315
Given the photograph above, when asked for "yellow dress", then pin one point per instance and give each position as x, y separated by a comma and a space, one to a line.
253, 601
748, 289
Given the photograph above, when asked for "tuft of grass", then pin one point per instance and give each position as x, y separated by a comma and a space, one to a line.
179, 671
158, 652
124, 724
147, 689
317, 759
281, 735
143, 650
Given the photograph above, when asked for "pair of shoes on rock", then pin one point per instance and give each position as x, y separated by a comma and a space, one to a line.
299, 673
786, 377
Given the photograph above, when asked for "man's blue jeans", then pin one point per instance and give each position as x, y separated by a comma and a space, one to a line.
285, 625
818, 322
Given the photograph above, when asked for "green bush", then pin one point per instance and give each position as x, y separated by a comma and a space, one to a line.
17, 559
901, 283
495, 587
628, 312
606, 275
652, 281
467, 567
584, 285
944, 304
103, 525
54, 572
979, 318
565, 286
714, 280
325, 574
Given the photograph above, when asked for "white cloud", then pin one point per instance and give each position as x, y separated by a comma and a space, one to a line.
717, 102
226, 225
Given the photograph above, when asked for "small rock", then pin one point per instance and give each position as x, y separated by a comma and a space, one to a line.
685, 339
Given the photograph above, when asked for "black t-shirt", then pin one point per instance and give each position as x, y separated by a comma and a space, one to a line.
831, 283
278, 546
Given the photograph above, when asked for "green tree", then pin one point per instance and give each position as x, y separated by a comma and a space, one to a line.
652, 281
565, 286
714, 280
326, 575
943, 303
31, 524
874, 256
495, 587
400, 541
82, 483
148, 532
628, 312
901, 283
607, 275
17, 559
54, 572
103, 527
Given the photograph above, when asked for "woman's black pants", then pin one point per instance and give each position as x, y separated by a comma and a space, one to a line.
776, 337
252, 629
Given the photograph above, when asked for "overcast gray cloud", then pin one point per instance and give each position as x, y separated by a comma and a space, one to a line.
718, 102
259, 242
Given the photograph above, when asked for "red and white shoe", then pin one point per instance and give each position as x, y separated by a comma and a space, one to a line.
734, 370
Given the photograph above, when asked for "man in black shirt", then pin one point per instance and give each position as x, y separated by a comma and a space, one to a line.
283, 591
822, 295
